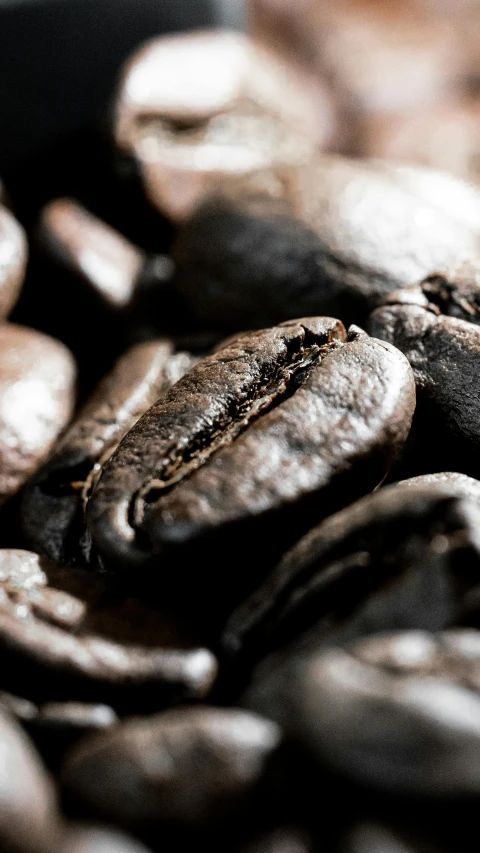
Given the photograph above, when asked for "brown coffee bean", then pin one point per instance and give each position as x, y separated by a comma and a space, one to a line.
196, 108
270, 430
190, 767
104, 260
406, 556
13, 260
444, 352
68, 634
54, 505
338, 237
37, 383
396, 712
28, 810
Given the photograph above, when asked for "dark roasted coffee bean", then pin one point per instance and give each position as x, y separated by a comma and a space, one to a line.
197, 108
54, 504
55, 726
13, 260
444, 352
37, 385
404, 557
67, 634
83, 838
334, 239
398, 712
191, 767
254, 441
28, 812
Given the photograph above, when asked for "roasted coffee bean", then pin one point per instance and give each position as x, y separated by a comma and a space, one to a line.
70, 635
406, 556
337, 237
443, 351
271, 430
83, 838
195, 108
13, 260
28, 812
55, 726
54, 504
37, 383
190, 767
399, 712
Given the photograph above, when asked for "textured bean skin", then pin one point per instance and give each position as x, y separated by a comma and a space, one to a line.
333, 237
402, 558
394, 711
37, 390
207, 760
13, 260
54, 505
443, 351
69, 634
269, 422
28, 811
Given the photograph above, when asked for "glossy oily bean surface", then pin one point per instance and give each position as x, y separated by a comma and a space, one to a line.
405, 556
396, 710
37, 389
13, 260
334, 239
270, 421
71, 634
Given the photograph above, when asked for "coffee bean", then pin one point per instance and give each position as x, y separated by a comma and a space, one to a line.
54, 504
190, 767
396, 712
83, 838
195, 108
334, 239
272, 429
28, 812
375, 838
284, 840
443, 351
68, 634
37, 382
13, 260
404, 557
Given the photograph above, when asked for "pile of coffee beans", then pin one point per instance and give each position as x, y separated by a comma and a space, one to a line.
240, 460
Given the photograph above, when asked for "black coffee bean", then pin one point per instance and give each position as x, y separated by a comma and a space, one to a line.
399, 712
376, 838
332, 239
190, 767
71, 635
272, 429
28, 811
281, 840
443, 351
37, 389
404, 557
54, 504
